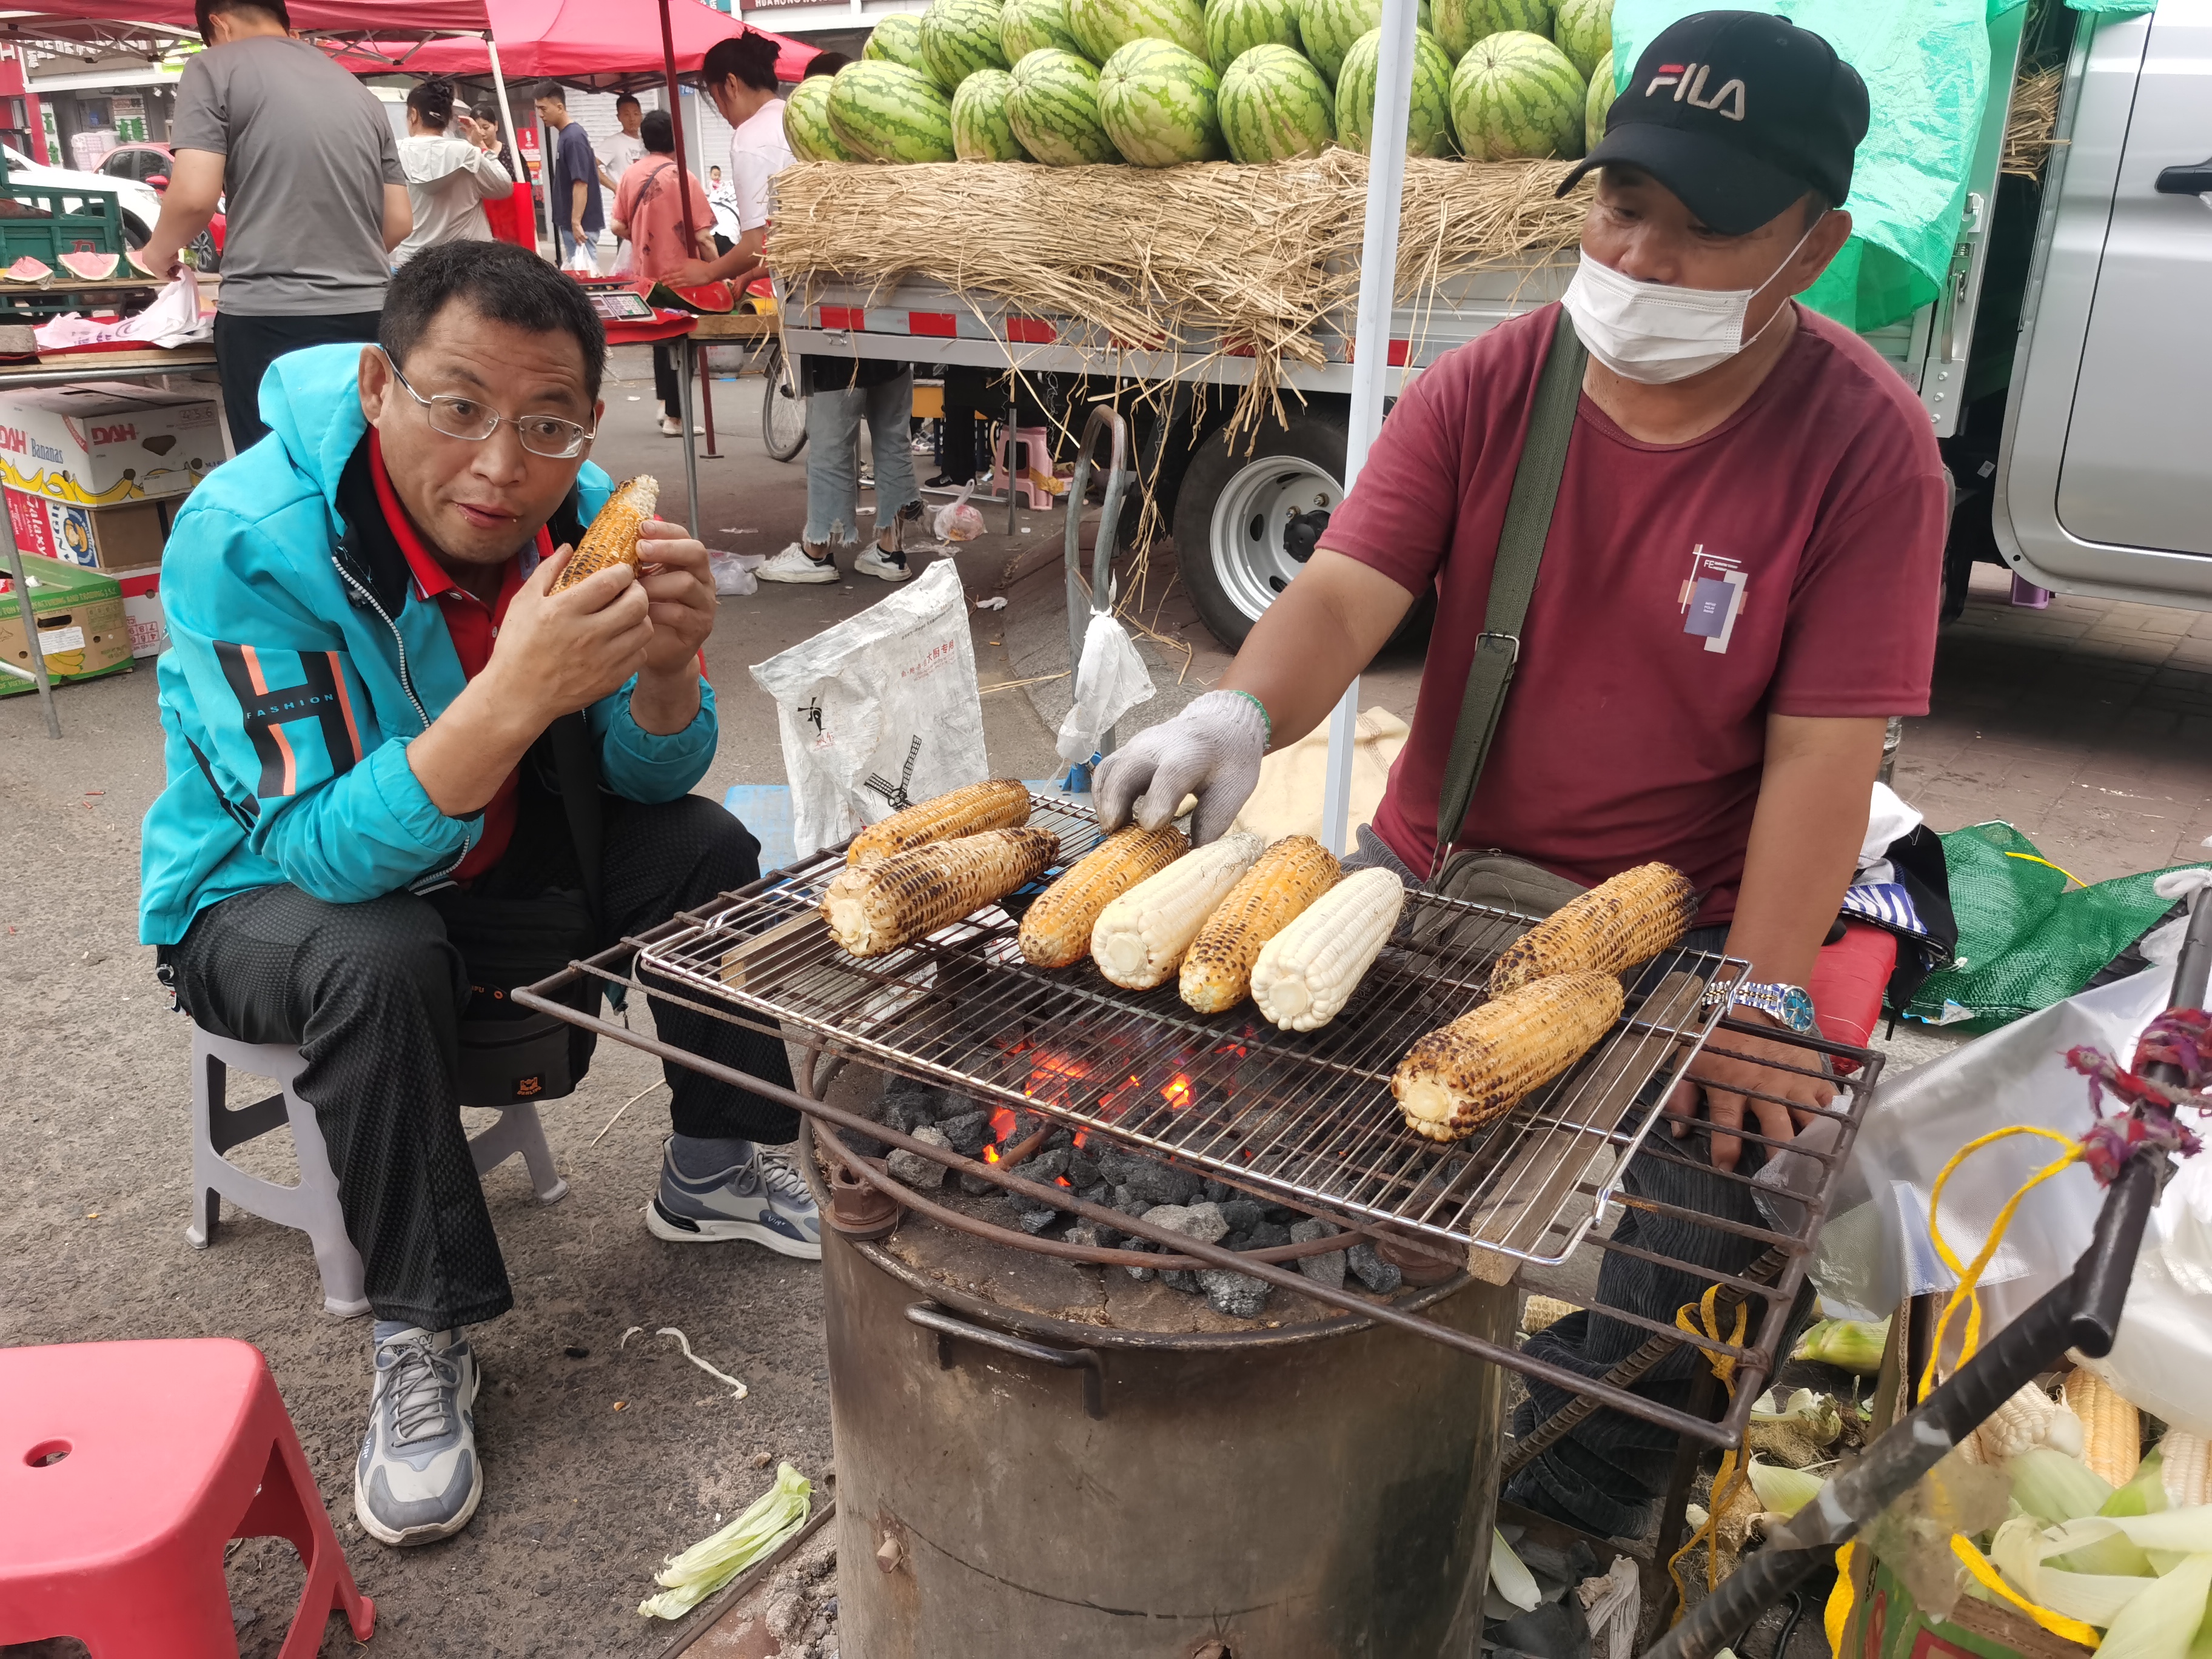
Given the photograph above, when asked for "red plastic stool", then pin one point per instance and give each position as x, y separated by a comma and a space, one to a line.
124, 1469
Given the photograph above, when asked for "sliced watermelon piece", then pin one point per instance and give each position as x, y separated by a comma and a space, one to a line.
140, 266
712, 296
27, 270
93, 267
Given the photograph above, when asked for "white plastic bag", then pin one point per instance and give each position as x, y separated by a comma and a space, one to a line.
2164, 1353
1109, 681
583, 259
956, 522
734, 573
880, 711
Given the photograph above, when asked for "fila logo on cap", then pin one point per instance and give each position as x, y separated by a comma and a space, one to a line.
1688, 81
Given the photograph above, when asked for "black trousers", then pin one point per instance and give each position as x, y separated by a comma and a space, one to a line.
667, 383
246, 346
372, 992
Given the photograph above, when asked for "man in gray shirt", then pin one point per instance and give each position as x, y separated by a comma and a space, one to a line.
315, 196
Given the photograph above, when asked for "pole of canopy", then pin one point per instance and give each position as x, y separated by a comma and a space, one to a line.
676, 120
1370, 350
514, 141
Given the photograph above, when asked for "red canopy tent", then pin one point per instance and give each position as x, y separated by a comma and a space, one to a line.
594, 44
66, 20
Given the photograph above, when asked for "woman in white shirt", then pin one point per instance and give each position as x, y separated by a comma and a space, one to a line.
449, 178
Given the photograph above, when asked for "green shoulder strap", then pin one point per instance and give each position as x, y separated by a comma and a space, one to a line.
1512, 578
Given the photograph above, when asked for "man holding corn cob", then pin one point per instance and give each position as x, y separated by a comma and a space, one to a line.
1737, 585
410, 766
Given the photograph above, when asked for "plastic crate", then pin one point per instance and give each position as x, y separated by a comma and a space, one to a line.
45, 221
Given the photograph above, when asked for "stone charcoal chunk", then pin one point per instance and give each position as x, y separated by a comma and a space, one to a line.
1043, 1167
1158, 1184
1203, 1222
1322, 1269
1060, 1136
1286, 1214
1268, 1233
1082, 1170
1035, 1221
1115, 1165
913, 1168
967, 1132
1237, 1242
977, 1186
863, 1146
1377, 1274
1243, 1214
908, 1104
1126, 1201
1181, 1281
1240, 1296
1219, 1192
1097, 1195
1090, 1235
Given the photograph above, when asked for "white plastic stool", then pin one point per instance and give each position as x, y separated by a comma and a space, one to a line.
1038, 442
312, 1206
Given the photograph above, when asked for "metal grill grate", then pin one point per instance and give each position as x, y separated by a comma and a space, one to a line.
1306, 1116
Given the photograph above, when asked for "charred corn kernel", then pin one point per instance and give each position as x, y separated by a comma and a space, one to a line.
1307, 972
1461, 1077
1540, 1313
880, 906
2112, 1429
1056, 931
612, 538
2183, 1460
1001, 804
1217, 970
2023, 1421
1617, 923
1140, 939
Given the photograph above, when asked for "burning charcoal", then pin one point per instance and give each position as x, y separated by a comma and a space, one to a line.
1203, 1222
913, 1168
1159, 1184
1182, 1281
1082, 1171
968, 1132
1268, 1233
977, 1186
1242, 1214
1219, 1192
1240, 1296
1327, 1270
1059, 1138
1043, 1167
1035, 1221
1371, 1270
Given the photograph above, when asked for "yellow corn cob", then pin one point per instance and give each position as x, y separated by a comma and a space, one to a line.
881, 906
2181, 1460
1459, 1078
1001, 804
1217, 970
1140, 939
2112, 1429
1540, 1313
612, 538
1307, 973
1056, 931
1617, 923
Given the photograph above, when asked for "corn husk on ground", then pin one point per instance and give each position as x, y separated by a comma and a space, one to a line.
876, 908
613, 537
1000, 804
1617, 924
1140, 939
1307, 973
1056, 931
1217, 971
1457, 1078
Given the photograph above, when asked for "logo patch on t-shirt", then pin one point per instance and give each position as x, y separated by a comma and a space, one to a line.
1711, 598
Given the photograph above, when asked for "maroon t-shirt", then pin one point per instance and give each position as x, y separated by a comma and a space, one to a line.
1786, 562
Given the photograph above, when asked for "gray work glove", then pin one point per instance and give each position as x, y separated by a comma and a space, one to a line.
1212, 749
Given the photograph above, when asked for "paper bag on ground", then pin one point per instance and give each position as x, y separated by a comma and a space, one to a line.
879, 712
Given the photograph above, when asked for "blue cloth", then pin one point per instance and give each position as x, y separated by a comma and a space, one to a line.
289, 693
574, 162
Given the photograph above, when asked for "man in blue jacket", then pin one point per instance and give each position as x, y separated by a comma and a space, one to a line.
364, 840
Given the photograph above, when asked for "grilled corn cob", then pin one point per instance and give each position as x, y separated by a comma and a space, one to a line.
880, 906
612, 538
2112, 1429
1307, 972
1140, 939
1001, 804
1057, 929
1459, 1078
2182, 1460
1617, 923
1217, 970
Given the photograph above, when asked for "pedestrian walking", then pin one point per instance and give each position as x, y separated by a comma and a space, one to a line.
305, 164
649, 212
619, 153
450, 175
578, 210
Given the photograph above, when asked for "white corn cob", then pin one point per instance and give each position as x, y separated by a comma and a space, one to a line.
2022, 1422
1140, 938
1217, 971
2182, 1457
1307, 972
613, 537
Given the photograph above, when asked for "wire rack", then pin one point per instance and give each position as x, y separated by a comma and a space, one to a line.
1307, 1117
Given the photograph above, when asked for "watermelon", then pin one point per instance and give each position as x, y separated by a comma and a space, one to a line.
1328, 27
1595, 108
27, 270
1053, 110
1104, 27
1274, 107
708, 296
1515, 96
93, 267
807, 124
1028, 25
1461, 23
885, 112
895, 40
1160, 105
1428, 124
1233, 27
1584, 30
959, 37
980, 129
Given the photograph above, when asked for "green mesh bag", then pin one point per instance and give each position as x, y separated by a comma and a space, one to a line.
2025, 941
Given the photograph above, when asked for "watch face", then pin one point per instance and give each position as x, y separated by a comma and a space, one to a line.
1796, 1010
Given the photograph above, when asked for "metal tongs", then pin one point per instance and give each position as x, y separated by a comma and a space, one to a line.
2081, 1313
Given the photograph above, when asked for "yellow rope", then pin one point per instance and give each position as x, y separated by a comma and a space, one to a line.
1986, 1575
1838, 1617
1690, 1316
2030, 858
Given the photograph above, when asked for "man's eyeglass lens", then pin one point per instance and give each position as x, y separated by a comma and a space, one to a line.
542, 434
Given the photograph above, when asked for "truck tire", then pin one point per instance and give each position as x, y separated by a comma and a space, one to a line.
1241, 526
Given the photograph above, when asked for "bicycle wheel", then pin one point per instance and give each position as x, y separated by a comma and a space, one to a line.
783, 411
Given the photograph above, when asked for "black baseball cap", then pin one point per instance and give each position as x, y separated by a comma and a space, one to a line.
1739, 114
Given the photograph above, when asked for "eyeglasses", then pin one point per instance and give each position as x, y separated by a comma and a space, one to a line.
548, 435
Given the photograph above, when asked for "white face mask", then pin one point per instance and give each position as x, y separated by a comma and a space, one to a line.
1654, 332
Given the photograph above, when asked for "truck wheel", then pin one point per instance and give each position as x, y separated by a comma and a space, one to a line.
1245, 519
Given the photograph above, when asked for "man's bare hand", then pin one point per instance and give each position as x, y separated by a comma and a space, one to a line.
561, 652
680, 587
1717, 1083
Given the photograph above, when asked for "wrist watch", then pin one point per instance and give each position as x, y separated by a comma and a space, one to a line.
1791, 1005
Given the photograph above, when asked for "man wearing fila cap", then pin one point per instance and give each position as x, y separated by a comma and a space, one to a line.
1737, 587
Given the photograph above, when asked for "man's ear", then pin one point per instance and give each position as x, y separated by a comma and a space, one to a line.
376, 383
1823, 245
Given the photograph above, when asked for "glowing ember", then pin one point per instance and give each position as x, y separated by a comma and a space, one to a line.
990, 1155
1178, 1092
1062, 1180
1002, 1123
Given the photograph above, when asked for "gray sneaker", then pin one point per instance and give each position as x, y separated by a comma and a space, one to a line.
418, 1479
764, 1200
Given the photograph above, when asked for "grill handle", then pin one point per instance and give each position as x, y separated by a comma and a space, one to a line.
931, 1317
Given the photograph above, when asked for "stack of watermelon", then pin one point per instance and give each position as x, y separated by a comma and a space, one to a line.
1163, 83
